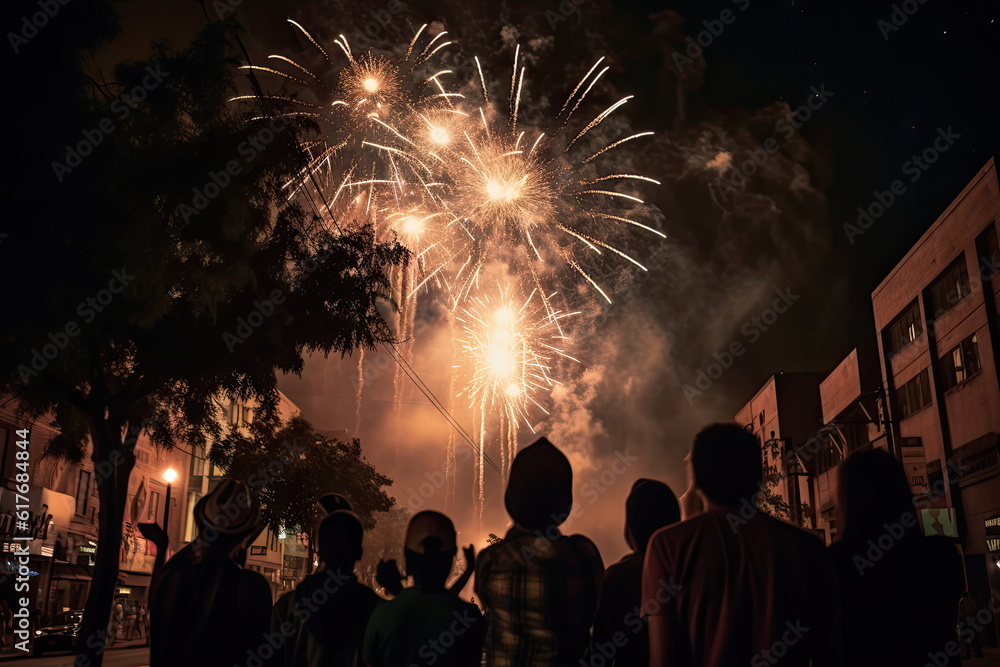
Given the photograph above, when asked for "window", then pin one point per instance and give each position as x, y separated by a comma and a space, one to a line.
154, 507
198, 467
913, 395
961, 363
903, 330
190, 525
988, 248
949, 289
82, 492
229, 410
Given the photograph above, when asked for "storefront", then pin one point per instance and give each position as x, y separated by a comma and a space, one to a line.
49, 515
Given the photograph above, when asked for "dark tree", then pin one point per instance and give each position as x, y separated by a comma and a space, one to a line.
152, 259
292, 467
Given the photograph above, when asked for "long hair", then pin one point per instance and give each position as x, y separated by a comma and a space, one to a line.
875, 494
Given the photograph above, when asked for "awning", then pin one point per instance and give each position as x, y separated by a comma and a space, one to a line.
70, 571
134, 579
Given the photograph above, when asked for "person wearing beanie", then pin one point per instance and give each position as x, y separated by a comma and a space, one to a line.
650, 505
323, 620
426, 624
539, 587
204, 608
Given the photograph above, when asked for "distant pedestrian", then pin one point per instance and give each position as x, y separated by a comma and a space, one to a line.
426, 624
620, 635
881, 551
732, 585
130, 619
134, 621
204, 608
323, 620
539, 587
972, 643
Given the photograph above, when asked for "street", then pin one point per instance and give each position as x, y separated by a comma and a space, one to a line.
137, 656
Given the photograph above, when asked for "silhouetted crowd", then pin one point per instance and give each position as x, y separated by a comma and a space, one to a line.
711, 581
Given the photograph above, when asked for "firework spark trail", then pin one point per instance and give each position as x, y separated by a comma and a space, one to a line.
360, 390
465, 185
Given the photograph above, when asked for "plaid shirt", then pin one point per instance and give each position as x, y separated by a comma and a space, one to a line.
540, 598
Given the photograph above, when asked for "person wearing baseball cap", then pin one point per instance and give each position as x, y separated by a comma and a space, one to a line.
204, 608
426, 623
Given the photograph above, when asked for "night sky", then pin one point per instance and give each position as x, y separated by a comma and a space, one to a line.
892, 89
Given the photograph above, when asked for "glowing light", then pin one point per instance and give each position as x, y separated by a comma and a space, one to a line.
722, 161
505, 191
411, 226
439, 135
169, 475
492, 208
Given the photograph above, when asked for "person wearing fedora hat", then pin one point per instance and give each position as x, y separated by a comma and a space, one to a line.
540, 587
204, 608
426, 623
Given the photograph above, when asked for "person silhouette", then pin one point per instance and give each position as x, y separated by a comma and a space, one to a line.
732, 585
426, 624
879, 553
620, 633
540, 588
204, 608
323, 620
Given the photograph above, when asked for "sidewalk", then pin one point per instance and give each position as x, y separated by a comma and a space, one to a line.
8, 652
991, 657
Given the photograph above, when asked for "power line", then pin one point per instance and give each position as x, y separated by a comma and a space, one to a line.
390, 348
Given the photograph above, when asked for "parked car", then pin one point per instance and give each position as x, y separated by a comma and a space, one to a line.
60, 634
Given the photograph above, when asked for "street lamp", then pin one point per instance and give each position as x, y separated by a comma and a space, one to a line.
169, 476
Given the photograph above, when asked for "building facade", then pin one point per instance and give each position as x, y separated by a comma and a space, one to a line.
926, 389
783, 415
938, 338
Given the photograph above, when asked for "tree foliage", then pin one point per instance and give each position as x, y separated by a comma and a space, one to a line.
290, 468
152, 259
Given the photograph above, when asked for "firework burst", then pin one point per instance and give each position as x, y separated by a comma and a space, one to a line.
508, 345
459, 179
